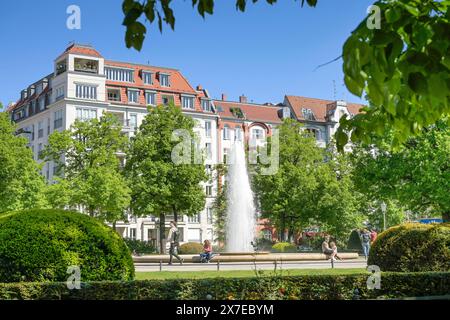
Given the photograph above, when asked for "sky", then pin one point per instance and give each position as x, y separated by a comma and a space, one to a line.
264, 53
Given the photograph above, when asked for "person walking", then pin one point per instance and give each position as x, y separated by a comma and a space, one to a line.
174, 243
365, 242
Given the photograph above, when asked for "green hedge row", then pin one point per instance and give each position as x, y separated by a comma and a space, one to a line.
393, 285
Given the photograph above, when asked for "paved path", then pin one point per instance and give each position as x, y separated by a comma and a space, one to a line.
354, 263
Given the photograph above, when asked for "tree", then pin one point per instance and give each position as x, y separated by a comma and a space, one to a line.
220, 207
21, 184
397, 56
86, 156
159, 185
306, 189
418, 176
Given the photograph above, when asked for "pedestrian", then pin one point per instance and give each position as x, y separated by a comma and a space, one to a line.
373, 235
330, 253
173, 237
365, 242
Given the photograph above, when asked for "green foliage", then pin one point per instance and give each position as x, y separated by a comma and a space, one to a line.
220, 208
39, 245
354, 242
412, 247
191, 248
402, 67
158, 184
311, 287
92, 174
284, 247
21, 184
312, 186
416, 178
161, 11
140, 247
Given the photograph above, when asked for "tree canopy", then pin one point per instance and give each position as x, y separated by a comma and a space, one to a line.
21, 184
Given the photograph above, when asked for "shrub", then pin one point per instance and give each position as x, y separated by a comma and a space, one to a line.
191, 248
412, 247
264, 244
284, 247
140, 247
354, 242
40, 245
322, 287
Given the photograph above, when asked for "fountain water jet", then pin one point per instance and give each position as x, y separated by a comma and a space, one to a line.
241, 220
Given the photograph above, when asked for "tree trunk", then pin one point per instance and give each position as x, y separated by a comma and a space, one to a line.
446, 216
114, 225
175, 214
162, 233
283, 228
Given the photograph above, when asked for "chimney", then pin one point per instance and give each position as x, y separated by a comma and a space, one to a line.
224, 97
243, 99
199, 88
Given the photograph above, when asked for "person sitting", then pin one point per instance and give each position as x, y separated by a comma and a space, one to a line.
330, 253
334, 248
207, 252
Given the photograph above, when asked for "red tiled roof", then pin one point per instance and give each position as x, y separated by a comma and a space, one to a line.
252, 112
81, 49
318, 106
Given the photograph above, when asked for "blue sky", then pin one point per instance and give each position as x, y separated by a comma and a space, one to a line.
264, 53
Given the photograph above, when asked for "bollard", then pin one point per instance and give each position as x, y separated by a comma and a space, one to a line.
275, 263
218, 265
332, 264
160, 265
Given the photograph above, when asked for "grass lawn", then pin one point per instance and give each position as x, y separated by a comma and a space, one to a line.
239, 273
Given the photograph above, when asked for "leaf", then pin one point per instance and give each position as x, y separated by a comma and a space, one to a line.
353, 86
417, 83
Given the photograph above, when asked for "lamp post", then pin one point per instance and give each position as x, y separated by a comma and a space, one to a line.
383, 209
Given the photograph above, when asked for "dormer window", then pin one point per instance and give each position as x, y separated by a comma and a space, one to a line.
308, 114
147, 77
164, 79
119, 74
187, 102
86, 65
61, 66
206, 105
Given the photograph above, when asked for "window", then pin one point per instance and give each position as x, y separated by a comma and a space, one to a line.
208, 151
85, 114
121, 75
133, 233
150, 98
86, 65
208, 129
238, 133
194, 219
166, 99
58, 119
187, 102
257, 134
226, 132
308, 114
40, 129
133, 96
208, 191
206, 105
39, 150
164, 79
41, 103
113, 94
225, 155
84, 91
209, 216
147, 77
133, 121
59, 93
61, 67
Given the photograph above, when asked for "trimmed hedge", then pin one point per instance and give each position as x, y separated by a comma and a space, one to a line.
40, 245
323, 287
283, 247
412, 247
140, 247
191, 248
354, 242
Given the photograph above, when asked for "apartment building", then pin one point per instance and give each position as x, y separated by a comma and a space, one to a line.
85, 85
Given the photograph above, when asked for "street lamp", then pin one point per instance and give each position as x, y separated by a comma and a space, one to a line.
383, 209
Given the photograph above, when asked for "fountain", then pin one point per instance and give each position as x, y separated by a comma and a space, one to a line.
241, 220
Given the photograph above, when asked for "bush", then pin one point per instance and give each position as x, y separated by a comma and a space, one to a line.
264, 244
284, 247
191, 248
140, 247
354, 242
40, 245
317, 287
412, 247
